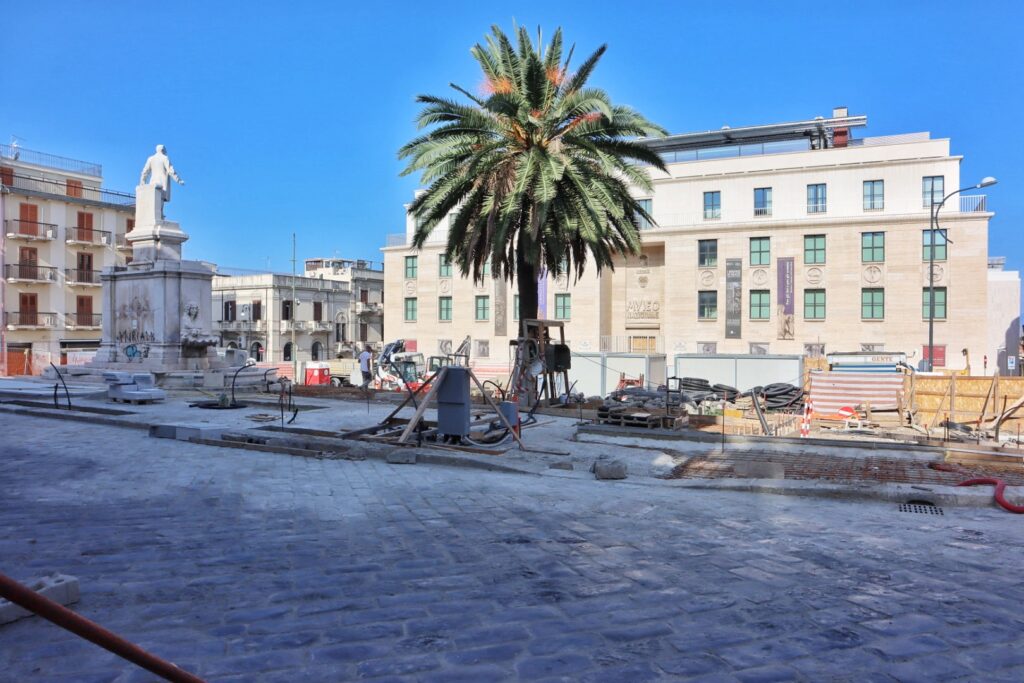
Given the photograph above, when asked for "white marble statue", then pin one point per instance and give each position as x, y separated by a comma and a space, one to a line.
158, 168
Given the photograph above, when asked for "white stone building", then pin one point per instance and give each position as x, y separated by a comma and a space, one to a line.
364, 323
792, 238
61, 228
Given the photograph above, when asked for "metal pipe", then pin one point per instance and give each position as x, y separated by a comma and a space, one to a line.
91, 631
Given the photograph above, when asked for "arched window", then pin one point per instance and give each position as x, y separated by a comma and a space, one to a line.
318, 351
256, 352
288, 351
232, 345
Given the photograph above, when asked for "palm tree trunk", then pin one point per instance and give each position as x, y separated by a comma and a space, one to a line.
526, 279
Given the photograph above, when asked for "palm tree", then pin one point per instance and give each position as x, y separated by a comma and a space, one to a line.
536, 172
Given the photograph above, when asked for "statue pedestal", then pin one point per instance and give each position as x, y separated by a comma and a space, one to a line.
153, 238
157, 317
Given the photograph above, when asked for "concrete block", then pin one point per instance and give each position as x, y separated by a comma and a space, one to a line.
759, 469
60, 588
401, 456
213, 379
610, 469
560, 466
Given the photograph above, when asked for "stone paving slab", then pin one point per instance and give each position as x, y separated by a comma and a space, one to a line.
247, 566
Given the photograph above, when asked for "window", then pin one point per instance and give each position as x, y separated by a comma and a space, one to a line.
483, 307
444, 266
410, 309
763, 201
872, 247
316, 352
648, 206
318, 311
643, 344
288, 351
814, 304
286, 310
940, 303
444, 308
364, 332
257, 310
486, 270
563, 306
74, 187
872, 304
872, 348
483, 348
712, 205
760, 304
933, 187
707, 253
515, 307
129, 224
817, 198
940, 244
411, 267
6, 175
758, 349
814, 248
814, 350
874, 195
229, 311
760, 251
707, 305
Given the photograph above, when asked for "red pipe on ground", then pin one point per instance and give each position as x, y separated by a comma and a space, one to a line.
1000, 487
91, 631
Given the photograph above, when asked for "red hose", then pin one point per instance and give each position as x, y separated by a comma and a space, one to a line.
1000, 487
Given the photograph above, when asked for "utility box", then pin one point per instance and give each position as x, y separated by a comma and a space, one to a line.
453, 402
558, 357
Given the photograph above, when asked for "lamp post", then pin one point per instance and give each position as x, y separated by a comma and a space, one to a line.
934, 228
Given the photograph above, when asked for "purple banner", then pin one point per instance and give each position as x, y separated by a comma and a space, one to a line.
542, 295
786, 308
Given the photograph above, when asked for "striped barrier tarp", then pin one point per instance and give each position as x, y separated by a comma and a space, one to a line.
831, 391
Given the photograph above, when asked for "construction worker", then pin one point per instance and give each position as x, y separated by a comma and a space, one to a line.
365, 366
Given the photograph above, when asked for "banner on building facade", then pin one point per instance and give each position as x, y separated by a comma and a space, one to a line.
542, 294
500, 308
733, 297
784, 297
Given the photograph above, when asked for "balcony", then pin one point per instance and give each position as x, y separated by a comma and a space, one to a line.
121, 242
297, 325
30, 320
29, 272
369, 308
320, 325
29, 230
70, 189
87, 236
83, 321
78, 276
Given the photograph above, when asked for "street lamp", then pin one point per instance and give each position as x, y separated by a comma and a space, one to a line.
987, 181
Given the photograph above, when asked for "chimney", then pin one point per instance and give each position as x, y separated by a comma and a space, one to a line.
840, 136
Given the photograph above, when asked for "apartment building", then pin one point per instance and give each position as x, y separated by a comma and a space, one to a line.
791, 238
263, 312
363, 324
61, 228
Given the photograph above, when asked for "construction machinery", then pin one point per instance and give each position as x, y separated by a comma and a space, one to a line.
398, 369
542, 362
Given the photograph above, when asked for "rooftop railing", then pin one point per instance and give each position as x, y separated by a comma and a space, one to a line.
60, 163
68, 188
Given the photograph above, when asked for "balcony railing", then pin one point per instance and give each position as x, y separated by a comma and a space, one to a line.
72, 189
320, 325
817, 207
78, 235
79, 276
971, 203
33, 230
369, 308
763, 210
30, 319
35, 158
121, 241
83, 320
287, 325
30, 272
636, 343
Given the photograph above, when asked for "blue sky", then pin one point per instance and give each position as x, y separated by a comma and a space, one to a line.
286, 116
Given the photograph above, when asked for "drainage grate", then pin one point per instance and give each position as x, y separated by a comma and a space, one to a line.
922, 507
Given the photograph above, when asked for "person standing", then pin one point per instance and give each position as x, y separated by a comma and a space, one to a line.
365, 363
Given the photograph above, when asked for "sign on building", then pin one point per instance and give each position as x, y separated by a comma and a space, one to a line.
733, 297
787, 323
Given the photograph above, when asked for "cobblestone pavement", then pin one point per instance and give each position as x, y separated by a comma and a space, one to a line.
246, 566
